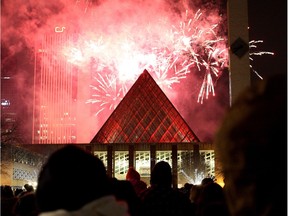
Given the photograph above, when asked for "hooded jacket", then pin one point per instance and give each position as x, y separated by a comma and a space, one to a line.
104, 206
134, 177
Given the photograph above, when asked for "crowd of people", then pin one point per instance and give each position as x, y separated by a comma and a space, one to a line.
18, 202
74, 182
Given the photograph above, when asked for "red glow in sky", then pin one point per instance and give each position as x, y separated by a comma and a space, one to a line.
183, 48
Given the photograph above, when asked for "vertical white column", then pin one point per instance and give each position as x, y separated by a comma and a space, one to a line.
238, 40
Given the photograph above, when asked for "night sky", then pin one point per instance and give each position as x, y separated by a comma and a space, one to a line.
268, 22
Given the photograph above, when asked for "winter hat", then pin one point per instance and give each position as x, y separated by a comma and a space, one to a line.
132, 174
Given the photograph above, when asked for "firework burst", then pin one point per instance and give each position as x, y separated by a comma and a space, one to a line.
190, 47
106, 93
204, 50
194, 45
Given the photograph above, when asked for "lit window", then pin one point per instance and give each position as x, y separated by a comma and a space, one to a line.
5, 102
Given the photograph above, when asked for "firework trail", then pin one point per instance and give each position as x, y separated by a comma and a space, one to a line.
253, 52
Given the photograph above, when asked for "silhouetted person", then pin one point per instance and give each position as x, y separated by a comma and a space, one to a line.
206, 181
251, 146
74, 182
8, 200
211, 200
27, 189
18, 192
123, 190
160, 198
134, 177
186, 189
195, 193
26, 205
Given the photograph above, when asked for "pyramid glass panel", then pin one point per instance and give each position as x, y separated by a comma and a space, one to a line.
145, 115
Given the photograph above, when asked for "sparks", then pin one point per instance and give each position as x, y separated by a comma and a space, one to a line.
192, 46
252, 46
204, 50
106, 93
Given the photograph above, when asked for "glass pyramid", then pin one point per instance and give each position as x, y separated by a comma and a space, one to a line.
145, 115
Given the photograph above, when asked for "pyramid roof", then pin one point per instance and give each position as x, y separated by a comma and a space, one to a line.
145, 115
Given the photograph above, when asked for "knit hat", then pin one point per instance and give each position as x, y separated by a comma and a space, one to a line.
132, 174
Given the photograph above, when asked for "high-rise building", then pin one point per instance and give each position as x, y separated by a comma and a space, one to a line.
8, 105
55, 92
15, 121
59, 110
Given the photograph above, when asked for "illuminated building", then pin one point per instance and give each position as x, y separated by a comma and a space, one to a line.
9, 103
55, 83
57, 103
15, 121
145, 128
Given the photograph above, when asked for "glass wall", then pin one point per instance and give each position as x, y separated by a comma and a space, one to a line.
192, 166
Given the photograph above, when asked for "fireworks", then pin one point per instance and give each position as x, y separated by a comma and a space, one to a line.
201, 50
194, 45
188, 47
252, 47
106, 93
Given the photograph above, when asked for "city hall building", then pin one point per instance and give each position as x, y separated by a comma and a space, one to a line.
146, 128
143, 129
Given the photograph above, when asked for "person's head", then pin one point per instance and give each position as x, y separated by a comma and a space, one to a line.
26, 205
132, 174
188, 186
195, 193
29, 188
161, 174
6, 191
70, 179
251, 145
212, 201
212, 192
206, 181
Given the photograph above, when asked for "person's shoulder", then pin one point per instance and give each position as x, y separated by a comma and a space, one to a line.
141, 184
146, 192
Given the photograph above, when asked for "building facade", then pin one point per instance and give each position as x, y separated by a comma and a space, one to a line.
55, 92
146, 128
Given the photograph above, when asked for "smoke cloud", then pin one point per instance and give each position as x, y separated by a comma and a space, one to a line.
102, 31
